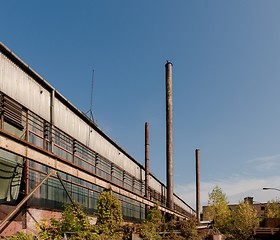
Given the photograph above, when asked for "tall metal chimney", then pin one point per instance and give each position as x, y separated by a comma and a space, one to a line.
197, 157
169, 135
147, 161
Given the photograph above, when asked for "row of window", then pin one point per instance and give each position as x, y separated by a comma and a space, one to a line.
29, 126
69, 149
51, 194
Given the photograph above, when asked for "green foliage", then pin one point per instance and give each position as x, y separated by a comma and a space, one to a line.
188, 229
245, 220
152, 224
109, 216
108, 209
218, 210
149, 231
272, 209
235, 225
50, 230
155, 216
128, 230
73, 220
21, 236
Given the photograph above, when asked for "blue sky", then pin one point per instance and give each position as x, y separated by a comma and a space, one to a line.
226, 58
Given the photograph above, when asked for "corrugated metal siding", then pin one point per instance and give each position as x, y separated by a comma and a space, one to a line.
181, 204
35, 94
19, 86
16, 84
70, 123
155, 184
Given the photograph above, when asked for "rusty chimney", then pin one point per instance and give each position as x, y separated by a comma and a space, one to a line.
169, 135
147, 161
197, 157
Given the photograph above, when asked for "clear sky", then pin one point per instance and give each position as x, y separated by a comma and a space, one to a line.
226, 80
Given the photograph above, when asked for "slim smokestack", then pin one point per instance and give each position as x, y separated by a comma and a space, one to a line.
147, 161
197, 157
169, 135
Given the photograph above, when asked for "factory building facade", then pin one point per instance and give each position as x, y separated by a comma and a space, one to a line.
41, 131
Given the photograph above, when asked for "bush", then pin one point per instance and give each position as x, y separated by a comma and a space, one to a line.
188, 229
73, 220
109, 216
152, 224
21, 236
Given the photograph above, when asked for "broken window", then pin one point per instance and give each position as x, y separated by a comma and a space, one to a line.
11, 166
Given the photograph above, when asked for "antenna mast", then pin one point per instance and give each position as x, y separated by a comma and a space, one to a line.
91, 97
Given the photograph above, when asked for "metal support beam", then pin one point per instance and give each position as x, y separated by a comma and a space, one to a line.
22, 148
23, 201
65, 189
11, 214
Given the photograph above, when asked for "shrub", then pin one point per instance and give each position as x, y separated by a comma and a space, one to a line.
152, 224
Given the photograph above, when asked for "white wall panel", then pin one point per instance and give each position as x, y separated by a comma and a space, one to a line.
18, 85
183, 205
155, 184
70, 123
21, 87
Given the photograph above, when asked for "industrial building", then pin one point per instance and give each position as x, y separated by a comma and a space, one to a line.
40, 131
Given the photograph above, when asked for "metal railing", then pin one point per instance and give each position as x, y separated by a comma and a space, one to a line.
40, 133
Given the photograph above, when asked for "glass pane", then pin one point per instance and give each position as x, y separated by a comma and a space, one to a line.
10, 175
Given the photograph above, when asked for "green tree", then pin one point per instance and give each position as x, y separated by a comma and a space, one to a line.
109, 216
188, 229
245, 220
73, 220
152, 225
218, 210
20, 236
50, 230
272, 209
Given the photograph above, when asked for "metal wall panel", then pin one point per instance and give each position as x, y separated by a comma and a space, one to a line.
73, 125
155, 184
35, 94
181, 204
21, 87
